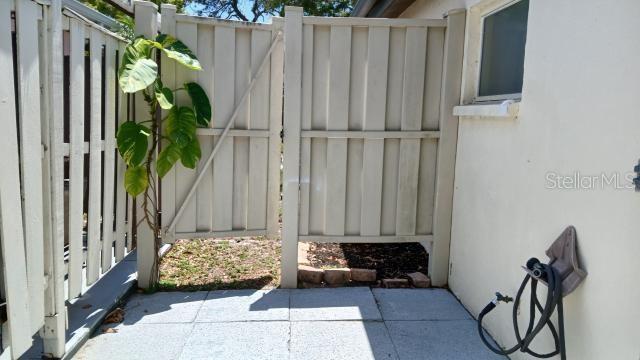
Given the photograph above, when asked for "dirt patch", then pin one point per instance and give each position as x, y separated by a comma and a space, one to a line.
390, 260
215, 264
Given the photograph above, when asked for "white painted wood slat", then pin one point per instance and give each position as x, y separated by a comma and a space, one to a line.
223, 106
258, 147
31, 154
409, 159
336, 171
109, 152
188, 32
204, 200
76, 155
121, 167
168, 76
240, 184
305, 143
375, 108
11, 231
275, 126
96, 42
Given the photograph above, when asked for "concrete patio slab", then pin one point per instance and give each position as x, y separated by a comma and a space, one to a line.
419, 304
238, 340
333, 304
354, 340
439, 340
304, 324
141, 341
245, 305
169, 307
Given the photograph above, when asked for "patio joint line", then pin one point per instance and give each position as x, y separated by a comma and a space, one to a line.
193, 326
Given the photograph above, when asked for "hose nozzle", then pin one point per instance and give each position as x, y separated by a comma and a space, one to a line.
504, 298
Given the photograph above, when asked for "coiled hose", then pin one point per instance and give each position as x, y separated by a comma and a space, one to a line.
546, 273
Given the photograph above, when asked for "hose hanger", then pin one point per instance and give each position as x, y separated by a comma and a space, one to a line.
561, 275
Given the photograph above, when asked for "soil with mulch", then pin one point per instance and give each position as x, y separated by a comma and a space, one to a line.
390, 260
215, 264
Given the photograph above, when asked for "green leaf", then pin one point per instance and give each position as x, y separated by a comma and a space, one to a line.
177, 50
137, 70
138, 75
133, 142
164, 95
135, 180
181, 125
191, 154
201, 104
167, 158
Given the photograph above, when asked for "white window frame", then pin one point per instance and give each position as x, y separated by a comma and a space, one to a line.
473, 53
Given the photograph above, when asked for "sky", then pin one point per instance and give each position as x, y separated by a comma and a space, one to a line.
245, 7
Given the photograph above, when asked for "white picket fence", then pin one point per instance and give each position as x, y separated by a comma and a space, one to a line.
63, 209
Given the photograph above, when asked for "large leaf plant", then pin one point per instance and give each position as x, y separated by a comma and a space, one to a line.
138, 140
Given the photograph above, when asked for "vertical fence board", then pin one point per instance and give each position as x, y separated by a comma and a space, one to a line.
336, 172
95, 158
409, 160
429, 147
392, 122
31, 154
204, 195
11, 231
53, 334
318, 158
168, 75
121, 196
223, 106
375, 107
258, 147
76, 156
188, 33
357, 85
275, 126
241, 144
305, 143
109, 152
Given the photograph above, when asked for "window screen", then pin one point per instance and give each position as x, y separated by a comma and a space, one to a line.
503, 40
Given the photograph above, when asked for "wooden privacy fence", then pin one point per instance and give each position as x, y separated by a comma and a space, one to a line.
62, 205
369, 135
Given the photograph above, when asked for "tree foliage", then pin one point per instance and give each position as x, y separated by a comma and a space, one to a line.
139, 140
254, 10
246, 10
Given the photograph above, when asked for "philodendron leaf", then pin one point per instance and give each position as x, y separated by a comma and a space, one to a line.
135, 180
181, 125
137, 70
133, 142
138, 75
177, 50
191, 154
164, 95
201, 104
167, 158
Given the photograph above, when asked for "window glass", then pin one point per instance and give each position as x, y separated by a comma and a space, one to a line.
503, 40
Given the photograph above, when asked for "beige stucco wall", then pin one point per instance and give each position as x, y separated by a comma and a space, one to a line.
579, 113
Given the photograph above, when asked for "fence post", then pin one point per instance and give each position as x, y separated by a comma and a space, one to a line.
53, 333
146, 24
292, 112
450, 97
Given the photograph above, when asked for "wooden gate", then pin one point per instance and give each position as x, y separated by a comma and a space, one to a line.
237, 193
369, 135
